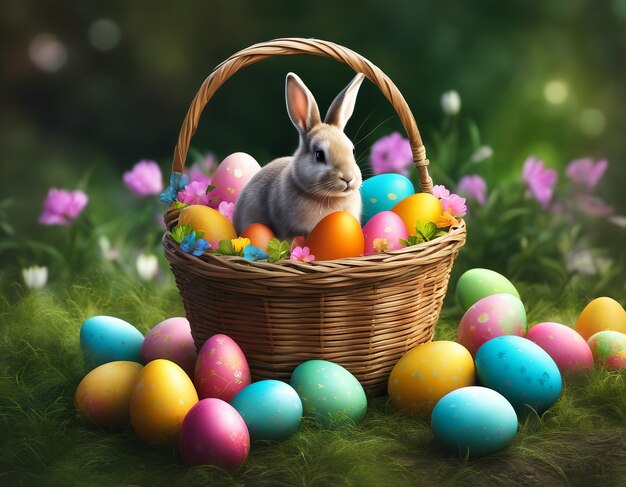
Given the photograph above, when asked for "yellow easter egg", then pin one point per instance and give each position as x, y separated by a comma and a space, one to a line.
599, 315
427, 373
160, 399
419, 207
215, 226
103, 396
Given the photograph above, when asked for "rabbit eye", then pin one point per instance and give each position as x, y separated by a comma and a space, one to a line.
319, 156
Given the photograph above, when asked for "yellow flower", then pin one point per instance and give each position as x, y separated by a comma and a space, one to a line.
446, 220
239, 244
382, 245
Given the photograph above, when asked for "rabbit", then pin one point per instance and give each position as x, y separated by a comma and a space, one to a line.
292, 194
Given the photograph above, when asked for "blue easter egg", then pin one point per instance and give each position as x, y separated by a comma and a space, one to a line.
521, 371
474, 421
106, 339
383, 192
271, 409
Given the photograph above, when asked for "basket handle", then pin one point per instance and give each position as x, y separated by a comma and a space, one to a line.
316, 47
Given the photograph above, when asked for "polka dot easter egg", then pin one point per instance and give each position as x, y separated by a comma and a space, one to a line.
384, 232
476, 284
222, 369
232, 175
171, 339
383, 192
495, 315
609, 349
567, 348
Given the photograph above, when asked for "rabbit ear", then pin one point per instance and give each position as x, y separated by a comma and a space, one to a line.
301, 105
342, 107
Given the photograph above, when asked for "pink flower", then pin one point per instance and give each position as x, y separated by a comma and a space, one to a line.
391, 154
302, 254
474, 187
194, 194
540, 181
440, 191
197, 176
227, 209
594, 206
586, 173
144, 179
62, 207
454, 204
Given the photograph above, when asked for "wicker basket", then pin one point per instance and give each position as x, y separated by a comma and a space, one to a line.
363, 313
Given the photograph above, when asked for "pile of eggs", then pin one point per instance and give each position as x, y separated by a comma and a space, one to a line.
204, 401
475, 389
391, 209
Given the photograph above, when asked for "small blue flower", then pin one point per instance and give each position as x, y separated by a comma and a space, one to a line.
178, 181
253, 253
194, 246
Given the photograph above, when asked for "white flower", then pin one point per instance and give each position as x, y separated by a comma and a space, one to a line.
581, 262
481, 154
618, 220
147, 266
451, 102
109, 253
35, 277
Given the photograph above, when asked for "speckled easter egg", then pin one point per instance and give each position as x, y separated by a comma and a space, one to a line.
427, 373
521, 371
599, 315
477, 283
383, 192
215, 226
420, 207
103, 396
336, 236
609, 349
222, 369
232, 175
171, 339
160, 399
108, 339
271, 409
214, 433
474, 421
329, 393
567, 348
495, 315
383, 233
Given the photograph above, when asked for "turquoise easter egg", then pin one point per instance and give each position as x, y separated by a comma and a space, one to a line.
271, 409
108, 339
474, 421
476, 284
383, 192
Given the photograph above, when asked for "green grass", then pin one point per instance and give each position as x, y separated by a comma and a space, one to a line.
581, 440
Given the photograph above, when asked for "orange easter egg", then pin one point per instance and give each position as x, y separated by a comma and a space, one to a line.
215, 226
259, 235
419, 207
601, 314
336, 236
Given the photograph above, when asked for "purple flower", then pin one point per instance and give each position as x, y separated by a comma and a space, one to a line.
62, 207
227, 209
391, 154
194, 194
440, 191
144, 179
454, 204
586, 173
474, 187
540, 181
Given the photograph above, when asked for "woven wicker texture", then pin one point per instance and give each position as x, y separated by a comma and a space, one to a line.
363, 313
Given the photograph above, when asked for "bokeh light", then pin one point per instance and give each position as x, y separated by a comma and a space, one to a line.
556, 91
47, 52
104, 34
592, 121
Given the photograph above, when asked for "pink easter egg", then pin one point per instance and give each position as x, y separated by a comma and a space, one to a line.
383, 232
490, 317
565, 345
171, 339
221, 370
232, 175
214, 433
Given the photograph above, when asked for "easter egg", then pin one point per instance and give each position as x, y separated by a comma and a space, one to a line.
214, 433
568, 349
476, 284
495, 315
427, 373
383, 192
171, 339
474, 421
103, 396
419, 207
215, 226
222, 369
259, 235
271, 409
107, 339
232, 175
161, 396
521, 371
336, 236
609, 348
383, 233
601, 314
329, 393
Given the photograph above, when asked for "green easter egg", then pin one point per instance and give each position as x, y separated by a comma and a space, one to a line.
609, 348
477, 284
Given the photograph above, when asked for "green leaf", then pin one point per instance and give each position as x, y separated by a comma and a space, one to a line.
199, 234
277, 250
225, 247
177, 205
426, 230
179, 232
210, 188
